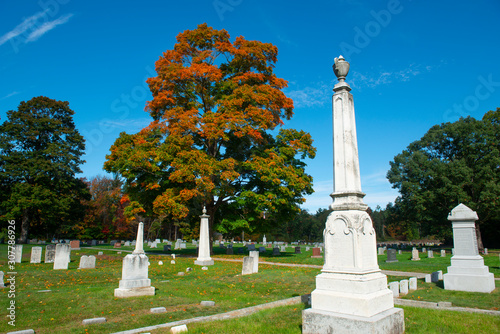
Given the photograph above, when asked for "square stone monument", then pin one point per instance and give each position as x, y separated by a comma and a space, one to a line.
135, 281
204, 258
351, 294
467, 271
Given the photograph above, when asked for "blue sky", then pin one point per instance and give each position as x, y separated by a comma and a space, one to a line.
414, 64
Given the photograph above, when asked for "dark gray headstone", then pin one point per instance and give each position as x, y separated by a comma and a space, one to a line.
391, 255
93, 243
241, 250
262, 249
251, 247
167, 248
229, 251
297, 250
276, 251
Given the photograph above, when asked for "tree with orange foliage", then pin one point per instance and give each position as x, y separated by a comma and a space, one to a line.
211, 142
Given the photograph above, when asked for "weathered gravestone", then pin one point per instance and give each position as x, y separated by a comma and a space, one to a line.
412, 283
75, 244
467, 271
229, 251
50, 253
167, 248
403, 287
127, 244
283, 249
443, 253
62, 257
247, 265
87, 262
381, 251
2, 285
430, 253
251, 247
117, 245
262, 249
93, 243
18, 253
255, 256
391, 255
414, 254
36, 255
276, 251
394, 287
297, 250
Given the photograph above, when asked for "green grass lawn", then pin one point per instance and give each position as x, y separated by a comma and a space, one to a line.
80, 294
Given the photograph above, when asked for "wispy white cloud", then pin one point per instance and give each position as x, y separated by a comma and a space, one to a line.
8, 95
311, 96
359, 80
46, 27
32, 27
128, 124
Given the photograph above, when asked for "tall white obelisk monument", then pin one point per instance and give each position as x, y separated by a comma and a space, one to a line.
351, 294
204, 258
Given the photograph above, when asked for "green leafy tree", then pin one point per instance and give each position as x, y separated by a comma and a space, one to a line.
215, 106
452, 163
40, 154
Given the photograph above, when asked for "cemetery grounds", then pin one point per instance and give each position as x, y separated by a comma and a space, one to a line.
57, 301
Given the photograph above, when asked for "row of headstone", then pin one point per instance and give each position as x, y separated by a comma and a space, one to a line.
434, 277
403, 287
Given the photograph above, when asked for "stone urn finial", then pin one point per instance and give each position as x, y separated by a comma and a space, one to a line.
341, 68
204, 210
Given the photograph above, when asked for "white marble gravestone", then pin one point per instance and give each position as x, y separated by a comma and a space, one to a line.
204, 258
62, 257
36, 255
87, 262
2, 285
18, 252
351, 293
412, 283
414, 254
467, 271
247, 268
443, 253
264, 240
135, 281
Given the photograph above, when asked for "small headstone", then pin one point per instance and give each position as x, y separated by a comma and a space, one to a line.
183, 245
394, 287
403, 287
36, 255
443, 253
424, 249
127, 244
167, 248
435, 277
276, 251
430, 254
283, 249
247, 265
158, 310
50, 253
251, 247
400, 252
316, 252
262, 249
297, 250
391, 255
87, 262
485, 251
75, 244
154, 244
412, 283
307, 249
117, 245
229, 251
255, 256
172, 262
158, 241
440, 275
63, 253
189, 269
207, 303
2, 285
381, 251
160, 263
428, 278
181, 273
414, 254
18, 253
100, 253
204, 268
93, 243
178, 329
241, 250
118, 252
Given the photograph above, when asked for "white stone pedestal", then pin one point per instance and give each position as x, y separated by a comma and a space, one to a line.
135, 281
351, 294
467, 271
204, 258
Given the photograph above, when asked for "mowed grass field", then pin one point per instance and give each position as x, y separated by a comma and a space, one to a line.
77, 294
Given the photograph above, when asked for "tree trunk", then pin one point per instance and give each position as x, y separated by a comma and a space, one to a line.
25, 225
480, 245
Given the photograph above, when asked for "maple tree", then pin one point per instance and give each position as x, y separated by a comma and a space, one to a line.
40, 154
211, 142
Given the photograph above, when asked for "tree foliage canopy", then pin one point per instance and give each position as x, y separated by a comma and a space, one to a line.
40, 154
215, 106
452, 163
